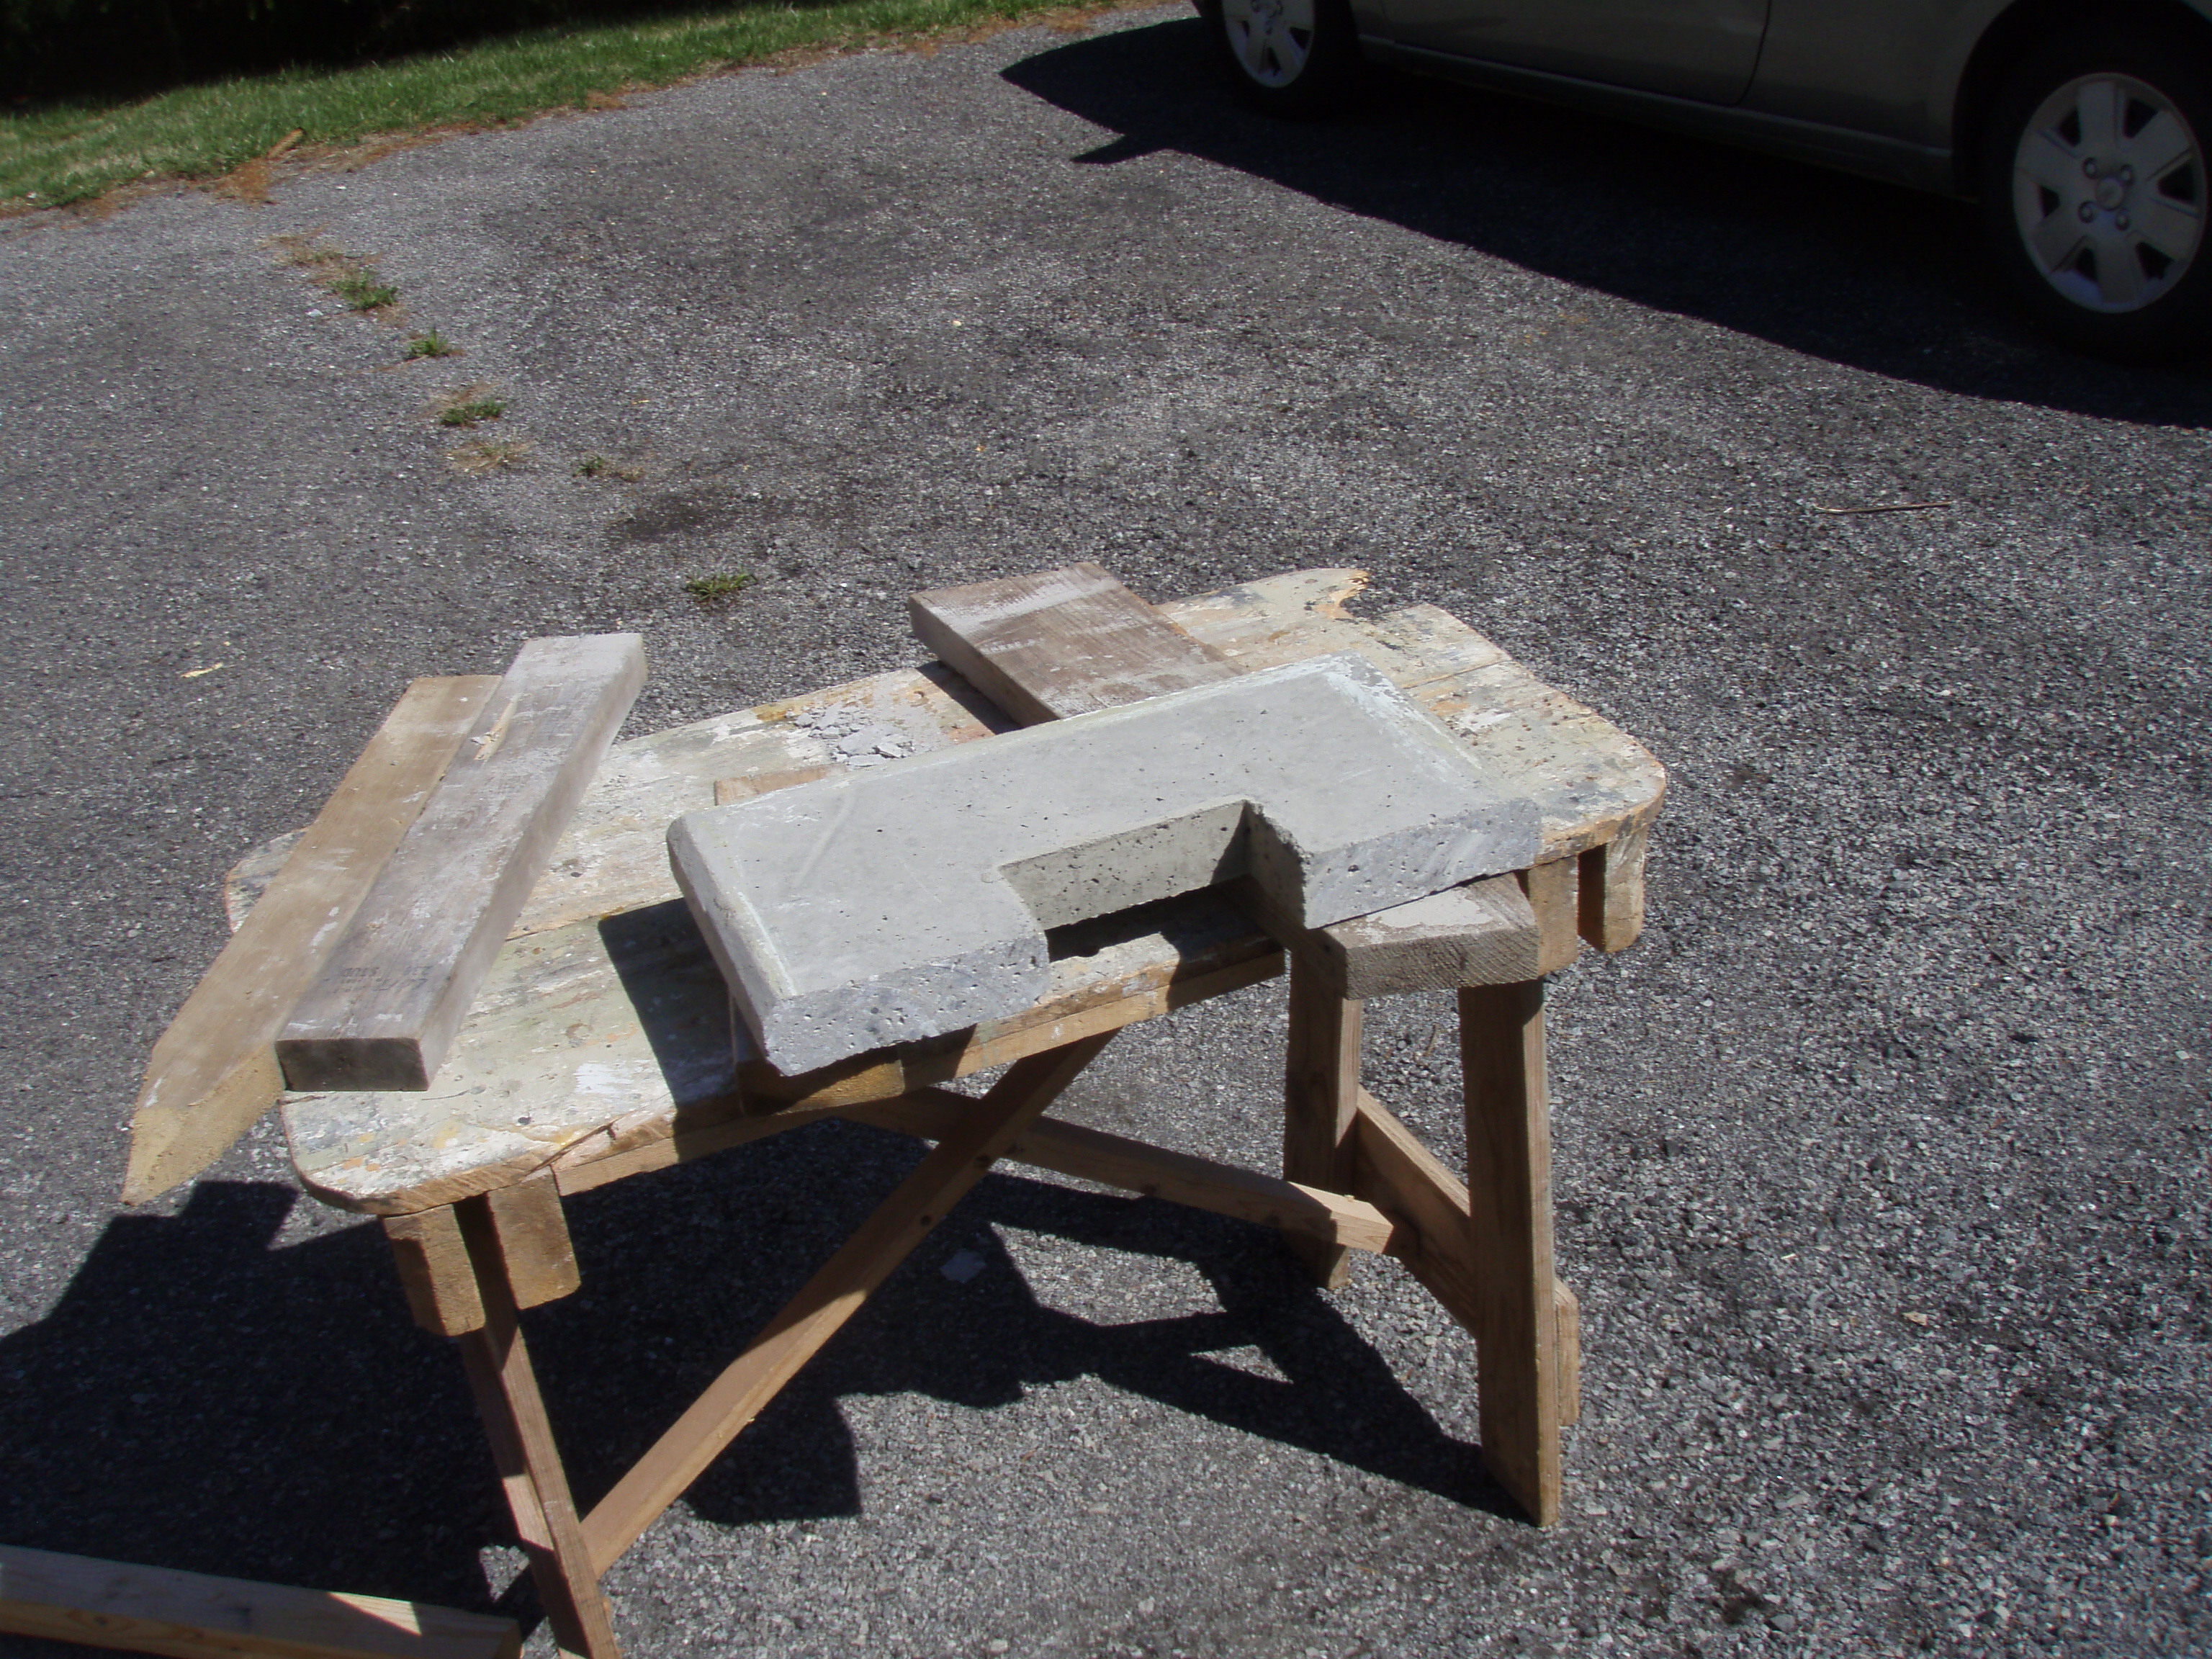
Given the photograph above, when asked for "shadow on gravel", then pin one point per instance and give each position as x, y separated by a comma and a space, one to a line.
1858, 273
201, 1399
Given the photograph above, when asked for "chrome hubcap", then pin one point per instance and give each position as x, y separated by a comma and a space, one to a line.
1271, 38
2108, 191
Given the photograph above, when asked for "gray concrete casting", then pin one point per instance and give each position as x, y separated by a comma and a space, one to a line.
912, 900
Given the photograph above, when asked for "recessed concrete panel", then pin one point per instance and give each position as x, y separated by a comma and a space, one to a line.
911, 900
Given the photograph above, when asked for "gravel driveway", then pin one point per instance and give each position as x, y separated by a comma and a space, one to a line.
1881, 1161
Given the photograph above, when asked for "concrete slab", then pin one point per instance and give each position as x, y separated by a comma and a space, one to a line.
912, 900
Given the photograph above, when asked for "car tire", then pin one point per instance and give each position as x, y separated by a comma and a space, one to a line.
1293, 58
2095, 185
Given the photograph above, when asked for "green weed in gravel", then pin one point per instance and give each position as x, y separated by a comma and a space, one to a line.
432, 344
722, 585
361, 291
470, 412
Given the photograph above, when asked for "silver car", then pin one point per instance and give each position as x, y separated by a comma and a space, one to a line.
2079, 129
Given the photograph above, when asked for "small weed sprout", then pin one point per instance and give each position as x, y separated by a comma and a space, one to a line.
722, 585
474, 460
593, 464
433, 344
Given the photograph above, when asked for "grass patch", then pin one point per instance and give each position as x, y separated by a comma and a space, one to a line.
71, 152
722, 585
361, 291
432, 344
468, 414
352, 280
474, 460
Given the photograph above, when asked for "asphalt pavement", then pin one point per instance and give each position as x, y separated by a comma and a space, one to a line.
1881, 1161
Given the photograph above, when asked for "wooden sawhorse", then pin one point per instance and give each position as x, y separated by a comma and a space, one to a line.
603, 970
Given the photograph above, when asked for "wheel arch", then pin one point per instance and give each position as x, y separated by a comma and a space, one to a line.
2018, 31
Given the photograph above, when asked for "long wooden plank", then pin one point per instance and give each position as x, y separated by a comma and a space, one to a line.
1509, 1179
109, 1604
1059, 642
215, 1070
382, 1012
1071, 1149
833, 1295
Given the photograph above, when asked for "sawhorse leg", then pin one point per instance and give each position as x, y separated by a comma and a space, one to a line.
464, 1269
1321, 1100
1509, 1178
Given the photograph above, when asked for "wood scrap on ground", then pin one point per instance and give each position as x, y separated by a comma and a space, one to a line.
110, 1604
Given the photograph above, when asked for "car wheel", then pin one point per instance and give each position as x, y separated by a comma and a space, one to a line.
2095, 189
1287, 56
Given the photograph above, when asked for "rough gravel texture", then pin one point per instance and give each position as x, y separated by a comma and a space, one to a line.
1881, 1161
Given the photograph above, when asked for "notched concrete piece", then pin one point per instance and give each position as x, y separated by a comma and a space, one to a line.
911, 900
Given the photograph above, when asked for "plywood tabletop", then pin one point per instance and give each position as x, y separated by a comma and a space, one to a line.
602, 1024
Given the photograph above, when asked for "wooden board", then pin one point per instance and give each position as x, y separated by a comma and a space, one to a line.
1059, 642
434, 1271
107, 1604
553, 1063
1483, 933
215, 1070
382, 1012
1071, 1149
1509, 1181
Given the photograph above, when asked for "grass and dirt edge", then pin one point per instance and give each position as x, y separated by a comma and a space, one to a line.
233, 131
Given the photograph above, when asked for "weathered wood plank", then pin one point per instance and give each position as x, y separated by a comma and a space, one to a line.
1483, 933
1087, 1154
832, 1297
434, 1271
215, 1070
1509, 1180
395, 1151
383, 1011
109, 1604
1059, 642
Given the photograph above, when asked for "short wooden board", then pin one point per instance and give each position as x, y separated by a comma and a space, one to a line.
1059, 642
107, 1604
383, 1011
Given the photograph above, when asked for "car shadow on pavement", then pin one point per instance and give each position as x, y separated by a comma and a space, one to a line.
1853, 272
206, 1398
